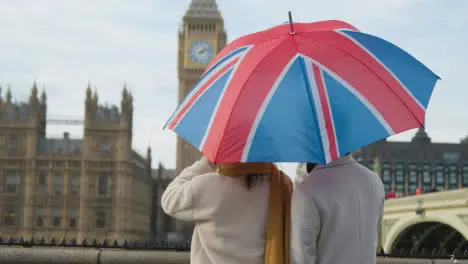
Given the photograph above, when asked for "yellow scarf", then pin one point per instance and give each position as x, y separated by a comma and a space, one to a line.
279, 207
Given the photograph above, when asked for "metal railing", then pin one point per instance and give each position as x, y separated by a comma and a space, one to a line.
434, 253
166, 251
96, 244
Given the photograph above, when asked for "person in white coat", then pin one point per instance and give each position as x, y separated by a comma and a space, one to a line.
241, 212
336, 213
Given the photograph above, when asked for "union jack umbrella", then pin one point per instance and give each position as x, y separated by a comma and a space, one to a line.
303, 92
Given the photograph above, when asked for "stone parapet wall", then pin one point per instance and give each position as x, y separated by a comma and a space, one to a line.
39, 255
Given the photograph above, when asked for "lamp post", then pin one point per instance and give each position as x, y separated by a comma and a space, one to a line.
419, 210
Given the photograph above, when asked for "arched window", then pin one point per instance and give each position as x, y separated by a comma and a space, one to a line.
428, 237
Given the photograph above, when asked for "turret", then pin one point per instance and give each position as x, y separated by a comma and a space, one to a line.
33, 96
88, 93
43, 110
149, 160
160, 171
43, 104
126, 108
421, 136
124, 92
34, 108
43, 97
8, 95
95, 97
90, 109
34, 90
148, 153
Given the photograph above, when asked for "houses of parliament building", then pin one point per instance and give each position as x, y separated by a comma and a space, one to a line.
94, 187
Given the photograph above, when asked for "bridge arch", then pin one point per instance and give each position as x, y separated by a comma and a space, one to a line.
428, 233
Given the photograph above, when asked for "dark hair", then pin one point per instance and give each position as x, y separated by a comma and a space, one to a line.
253, 179
310, 167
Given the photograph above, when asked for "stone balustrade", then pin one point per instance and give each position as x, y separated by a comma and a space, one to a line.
40, 255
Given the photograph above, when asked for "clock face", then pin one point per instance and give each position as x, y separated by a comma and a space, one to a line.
201, 52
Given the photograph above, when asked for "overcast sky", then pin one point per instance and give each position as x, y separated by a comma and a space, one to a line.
64, 44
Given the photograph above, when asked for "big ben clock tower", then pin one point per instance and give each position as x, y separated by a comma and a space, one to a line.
201, 37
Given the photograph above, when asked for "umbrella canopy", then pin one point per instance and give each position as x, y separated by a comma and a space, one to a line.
308, 93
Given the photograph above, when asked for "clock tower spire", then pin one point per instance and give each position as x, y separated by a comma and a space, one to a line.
203, 9
201, 37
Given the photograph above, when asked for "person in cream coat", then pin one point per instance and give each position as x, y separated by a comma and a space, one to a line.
336, 212
237, 220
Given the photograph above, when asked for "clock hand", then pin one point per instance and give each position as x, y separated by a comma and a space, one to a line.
201, 53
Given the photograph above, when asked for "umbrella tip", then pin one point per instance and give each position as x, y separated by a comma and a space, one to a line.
291, 23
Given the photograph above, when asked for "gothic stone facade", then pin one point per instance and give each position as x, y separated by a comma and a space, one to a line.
95, 187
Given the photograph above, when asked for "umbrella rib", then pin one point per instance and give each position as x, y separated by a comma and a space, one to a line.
309, 89
237, 97
311, 99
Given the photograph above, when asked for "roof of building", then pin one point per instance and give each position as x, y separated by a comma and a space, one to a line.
59, 145
203, 9
419, 150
